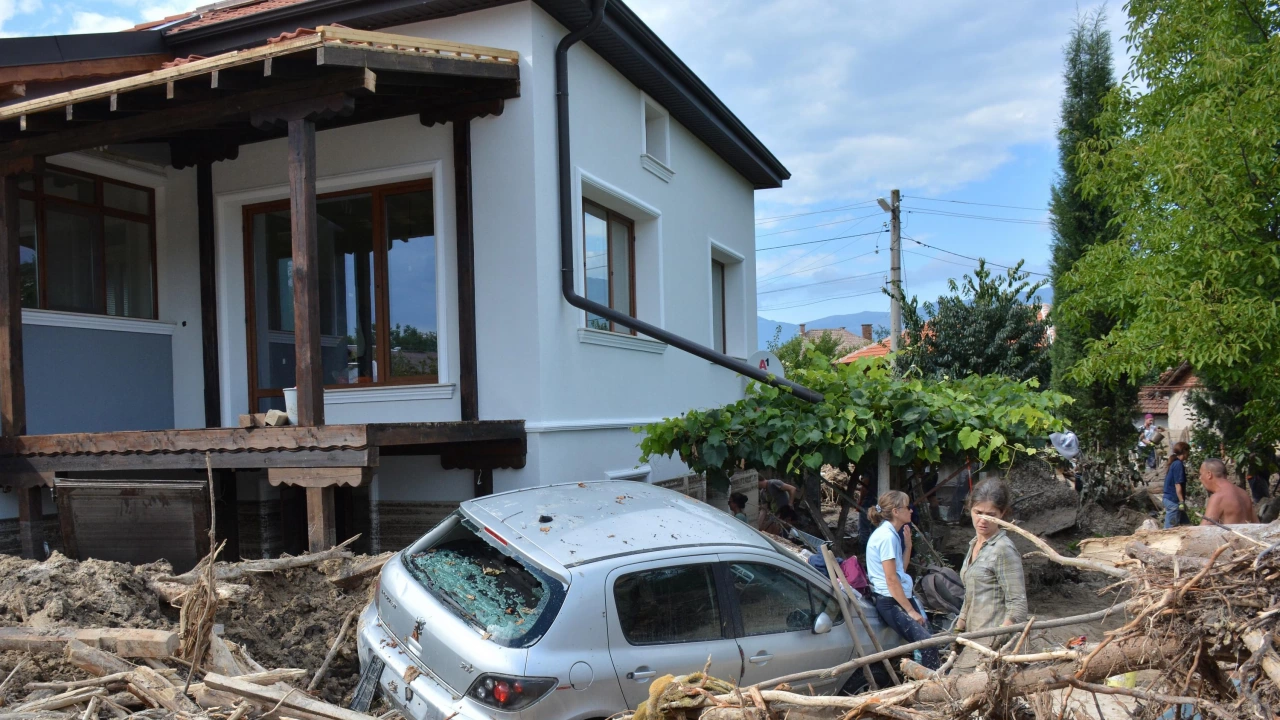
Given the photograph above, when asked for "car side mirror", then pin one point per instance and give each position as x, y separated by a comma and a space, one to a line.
822, 625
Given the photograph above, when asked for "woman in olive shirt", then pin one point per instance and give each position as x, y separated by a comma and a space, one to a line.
995, 593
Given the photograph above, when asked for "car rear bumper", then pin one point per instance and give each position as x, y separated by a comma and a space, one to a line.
423, 697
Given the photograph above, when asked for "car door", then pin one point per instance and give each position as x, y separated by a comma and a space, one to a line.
774, 609
665, 617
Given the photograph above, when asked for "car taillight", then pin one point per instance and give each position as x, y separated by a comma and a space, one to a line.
505, 692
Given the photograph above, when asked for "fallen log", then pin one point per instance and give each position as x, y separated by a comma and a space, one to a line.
1107, 568
124, 642
291, 699
62, 700
1186, 541
209, 698
174, 592
94, 661
353, 577
1156, 559
73, 684
231, 571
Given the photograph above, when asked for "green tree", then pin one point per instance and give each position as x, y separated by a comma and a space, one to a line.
1103, 409
790, 352
990, 324
1188, 162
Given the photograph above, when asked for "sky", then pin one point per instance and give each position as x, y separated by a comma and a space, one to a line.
950, 101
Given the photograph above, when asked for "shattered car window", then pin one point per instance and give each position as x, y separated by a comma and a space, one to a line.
494, 591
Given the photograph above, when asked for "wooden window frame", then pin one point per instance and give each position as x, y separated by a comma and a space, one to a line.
381, 300
611, 216
98, 209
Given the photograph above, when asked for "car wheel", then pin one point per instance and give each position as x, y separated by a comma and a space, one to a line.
857, 683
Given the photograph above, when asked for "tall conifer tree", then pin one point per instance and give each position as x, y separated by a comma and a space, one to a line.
1102, 410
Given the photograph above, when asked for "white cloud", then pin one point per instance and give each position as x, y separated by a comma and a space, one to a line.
91, 22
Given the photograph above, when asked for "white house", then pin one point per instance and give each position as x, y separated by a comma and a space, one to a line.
164, 288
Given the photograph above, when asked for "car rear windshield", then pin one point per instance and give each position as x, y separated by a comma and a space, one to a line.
510, 599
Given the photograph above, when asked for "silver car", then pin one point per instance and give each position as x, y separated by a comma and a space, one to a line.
564, 601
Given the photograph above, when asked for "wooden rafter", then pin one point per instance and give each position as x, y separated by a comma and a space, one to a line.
104, 67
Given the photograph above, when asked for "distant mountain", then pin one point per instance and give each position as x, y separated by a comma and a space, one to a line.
853, 323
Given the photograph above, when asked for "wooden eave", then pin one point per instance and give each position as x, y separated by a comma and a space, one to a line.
215, 104
268, 447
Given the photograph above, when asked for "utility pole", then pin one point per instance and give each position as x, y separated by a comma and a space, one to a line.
894, 208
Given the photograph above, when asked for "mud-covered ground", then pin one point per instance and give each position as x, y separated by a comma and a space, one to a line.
288, 620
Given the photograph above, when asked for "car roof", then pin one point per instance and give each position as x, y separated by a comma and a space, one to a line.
591, 521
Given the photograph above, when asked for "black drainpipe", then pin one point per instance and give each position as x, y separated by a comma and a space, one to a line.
566, 235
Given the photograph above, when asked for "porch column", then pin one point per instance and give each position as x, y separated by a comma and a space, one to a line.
468, 375
322, 531
306, 278
208, 294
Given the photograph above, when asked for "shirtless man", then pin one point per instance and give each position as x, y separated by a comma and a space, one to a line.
1228, 504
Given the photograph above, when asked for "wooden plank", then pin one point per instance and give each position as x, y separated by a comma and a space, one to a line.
30, 516
124, 642
426, 433
191, 461
286, 699
204, 114
189, 440
391, 40
319, 477
208, 294
468, 376
322, 530
104, 67
306, 277
13, 394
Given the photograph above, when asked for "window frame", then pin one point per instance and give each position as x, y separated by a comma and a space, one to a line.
734, 608
609, 217
100, 211
728, 629
381, 298
724, 310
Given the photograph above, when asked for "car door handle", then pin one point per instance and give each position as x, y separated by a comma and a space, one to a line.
641, 674
760, 658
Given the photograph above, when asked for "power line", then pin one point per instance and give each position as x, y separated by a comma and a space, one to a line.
966, 216
810, 227
823, 282
815, 302
861, 203
770, 276
967, 202
974, 259
823, 267
814, 242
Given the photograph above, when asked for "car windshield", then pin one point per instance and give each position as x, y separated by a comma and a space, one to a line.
512, 601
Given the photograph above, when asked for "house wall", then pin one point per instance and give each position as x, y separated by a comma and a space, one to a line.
1181, 416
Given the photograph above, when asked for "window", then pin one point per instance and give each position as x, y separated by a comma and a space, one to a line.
773, 600
377, 277
655, 149
718, 338
609, 264
87, 244
668, 605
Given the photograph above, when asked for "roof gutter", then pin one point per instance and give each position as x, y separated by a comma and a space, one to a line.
566, 234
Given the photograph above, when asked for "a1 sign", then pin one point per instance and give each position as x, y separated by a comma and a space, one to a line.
767, 362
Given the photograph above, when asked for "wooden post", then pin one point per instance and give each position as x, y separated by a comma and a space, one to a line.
306, 278
321, 528
208, 294
468, 375
13, 394
30, 516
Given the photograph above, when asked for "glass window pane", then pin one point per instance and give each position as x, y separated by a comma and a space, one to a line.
772, 600
125, 198
128, 261
620, 250
28, 269
71, 187
595, 229
717, 305
411, 285
668, 605
73, 268
273, 299
348, 334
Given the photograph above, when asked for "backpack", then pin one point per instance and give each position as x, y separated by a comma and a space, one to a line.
941, 590
853, 572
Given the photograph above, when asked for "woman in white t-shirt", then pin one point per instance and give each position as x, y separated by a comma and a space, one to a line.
888, 555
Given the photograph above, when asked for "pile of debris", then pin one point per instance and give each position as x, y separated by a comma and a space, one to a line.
1203, 616
94, 639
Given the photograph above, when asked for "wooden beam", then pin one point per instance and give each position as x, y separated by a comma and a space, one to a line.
203, 114
468, 377
320, 477
13, 392
314, 109
30, 517
383, 434
191, 461
106, 67
322, 531
306, 278
192, 441
208, 294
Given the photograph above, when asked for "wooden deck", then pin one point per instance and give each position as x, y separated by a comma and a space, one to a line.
483, 444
